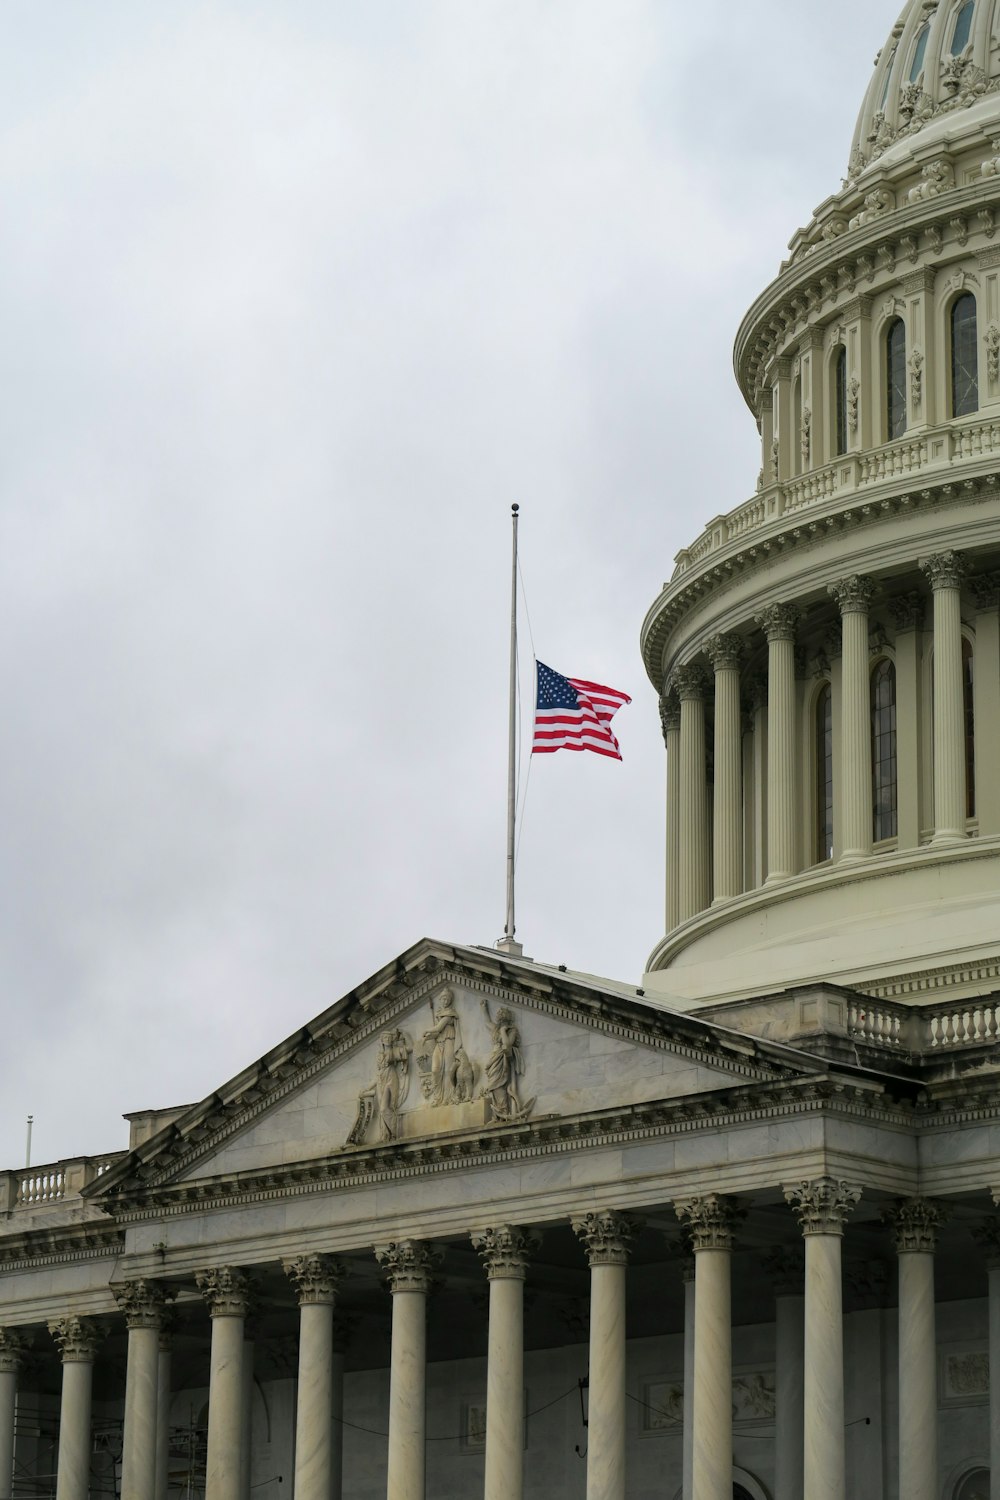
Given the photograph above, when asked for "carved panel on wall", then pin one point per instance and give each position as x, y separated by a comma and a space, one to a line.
753, 1402
963, 1375
472, 1433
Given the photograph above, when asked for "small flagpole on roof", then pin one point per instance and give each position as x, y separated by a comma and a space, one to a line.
508, 944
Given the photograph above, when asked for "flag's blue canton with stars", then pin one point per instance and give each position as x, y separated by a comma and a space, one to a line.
573, 714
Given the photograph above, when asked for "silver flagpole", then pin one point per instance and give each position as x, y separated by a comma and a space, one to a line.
507, 943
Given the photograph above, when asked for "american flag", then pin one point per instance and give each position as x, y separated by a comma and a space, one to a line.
572, 714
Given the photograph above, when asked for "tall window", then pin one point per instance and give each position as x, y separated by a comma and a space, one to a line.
840, 401
888, 77
917, 65
964, 356
970, 729
797, 426
963, 28
883, 703
824, 774
895, 379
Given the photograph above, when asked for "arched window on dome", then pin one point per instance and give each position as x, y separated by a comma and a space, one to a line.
895, 379
823, 730
964, 356
840, 402
920, 51
969, 725
884, 779
963, 28
888, 80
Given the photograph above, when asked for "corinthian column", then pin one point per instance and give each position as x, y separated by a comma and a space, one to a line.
670, 722
854, 596
78, 1339
168, 1320
945, 572
316, 1279
710, 1221
822, 1207
778, 625
915, 1223
12, 1346
408, 1265
505, 1250
988, 1235
691, 684
725, 653
786, 1268
142, 1304
227, 1292
606, 1236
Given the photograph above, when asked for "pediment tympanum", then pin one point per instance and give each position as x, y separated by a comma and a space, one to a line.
439, 1048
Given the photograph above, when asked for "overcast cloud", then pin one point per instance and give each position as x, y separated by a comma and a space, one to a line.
296, 298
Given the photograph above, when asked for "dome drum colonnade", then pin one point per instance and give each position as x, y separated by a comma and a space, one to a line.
809, 1438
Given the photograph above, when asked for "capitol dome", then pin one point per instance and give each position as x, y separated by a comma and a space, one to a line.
827, 651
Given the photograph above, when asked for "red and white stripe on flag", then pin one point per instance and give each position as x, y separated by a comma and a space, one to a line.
572, 713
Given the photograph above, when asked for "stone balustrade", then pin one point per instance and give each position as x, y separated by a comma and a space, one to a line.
930, 1029
52, 1182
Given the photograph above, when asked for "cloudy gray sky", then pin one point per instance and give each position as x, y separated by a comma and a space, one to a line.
295, 299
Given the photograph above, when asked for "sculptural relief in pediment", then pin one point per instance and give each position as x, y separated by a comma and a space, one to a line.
449, 1077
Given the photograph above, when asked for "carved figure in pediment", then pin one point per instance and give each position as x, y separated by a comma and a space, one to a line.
504, 1066
387, 1095
450, 1077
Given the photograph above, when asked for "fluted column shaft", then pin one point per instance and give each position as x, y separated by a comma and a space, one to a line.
725, 653
785, 1267
778, 625
142, 1304
915, 1224
854, 596
822, 1207
670, 718
687, 1439
78, 1339
504, 1250
710, 1224
163, 1392
606, 1236
691, 682
407, 1264
945, 572
226, 1290
11, 1348
316, 1279
337, 1423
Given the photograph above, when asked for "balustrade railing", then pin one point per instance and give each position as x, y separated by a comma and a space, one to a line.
938, 1028
36, 1187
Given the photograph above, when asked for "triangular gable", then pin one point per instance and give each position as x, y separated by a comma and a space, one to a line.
445, 1040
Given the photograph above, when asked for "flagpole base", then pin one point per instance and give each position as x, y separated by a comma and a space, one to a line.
510, 946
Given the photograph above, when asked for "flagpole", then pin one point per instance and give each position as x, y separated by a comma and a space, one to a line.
508, 944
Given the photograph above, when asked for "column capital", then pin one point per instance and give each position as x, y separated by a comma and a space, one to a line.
823, 1205
226, 1289
408, 1265
141, 1302
13, 1343
504, 1250
853, 594
690, 683
907, 610
169, 1321
944, 570
670, 711
316, 1278
605, 1236
778, 621
985, 590
78, 1338
725, 652
915, 1223
710, 1221
987, 1234
785, 1267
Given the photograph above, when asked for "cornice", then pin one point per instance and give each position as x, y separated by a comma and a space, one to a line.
60, 1245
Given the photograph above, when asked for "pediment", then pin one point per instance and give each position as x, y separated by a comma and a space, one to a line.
437, 1049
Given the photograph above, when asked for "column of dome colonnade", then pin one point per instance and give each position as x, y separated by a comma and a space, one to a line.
822, 1207
504, 1250
408, 1265
778, 623
142, 1303
691, 685
725, 652
78, 1340
13, 1343
605, 1236
316, 1279
853, 597
670, 720
226, 1290
710, 1221
945, 572
915, 1222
